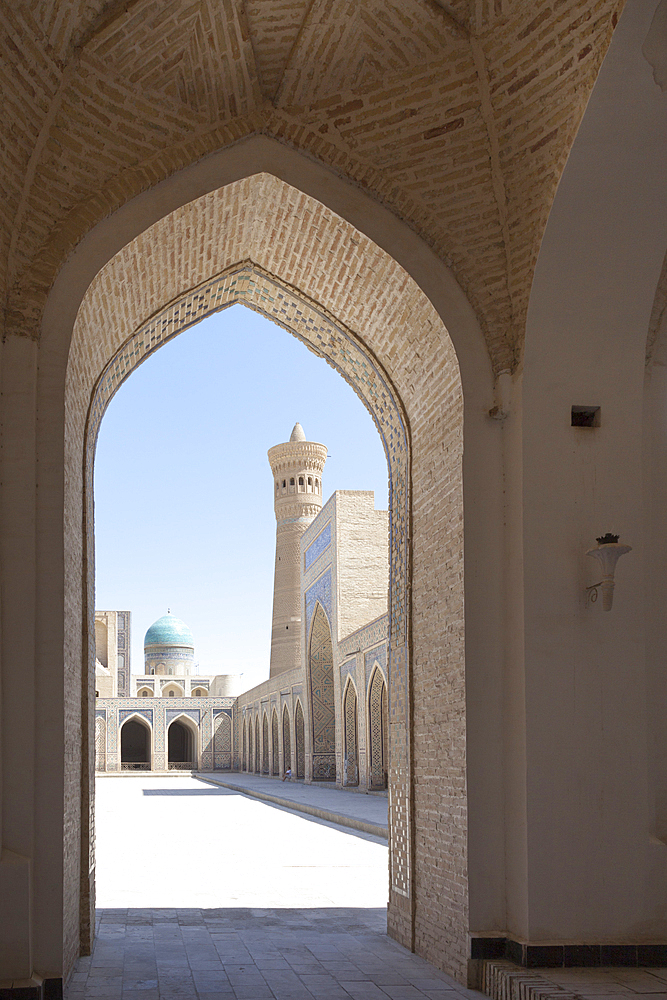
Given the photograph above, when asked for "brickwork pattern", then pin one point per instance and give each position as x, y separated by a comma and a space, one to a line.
460, 120
179, 271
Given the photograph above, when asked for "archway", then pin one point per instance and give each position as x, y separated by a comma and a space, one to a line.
326, 309
275, 751
251, 759
321, 692
244, 751
378, 734
181, 746
135, 745
350, 740
287, 741
265, 744
258, 747
300, 740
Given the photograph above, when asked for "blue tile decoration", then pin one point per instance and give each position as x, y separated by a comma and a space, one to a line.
192, 713
376, 655
316, 548
146, 712
320, 591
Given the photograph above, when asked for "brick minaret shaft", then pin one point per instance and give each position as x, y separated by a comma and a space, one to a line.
297, 489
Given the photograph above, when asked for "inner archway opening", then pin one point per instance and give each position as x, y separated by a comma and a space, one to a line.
181, 747
135, 750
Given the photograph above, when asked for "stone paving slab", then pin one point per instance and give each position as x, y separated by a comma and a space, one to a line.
356, 810
322, 953
272, 905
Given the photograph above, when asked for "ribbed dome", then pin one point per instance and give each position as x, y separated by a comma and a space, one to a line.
169, 631
298, 433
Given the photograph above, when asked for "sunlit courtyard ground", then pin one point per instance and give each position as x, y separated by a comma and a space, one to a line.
179, 842
206, 893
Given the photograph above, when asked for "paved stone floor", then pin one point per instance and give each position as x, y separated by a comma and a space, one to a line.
608, 983
348, 804
204, 892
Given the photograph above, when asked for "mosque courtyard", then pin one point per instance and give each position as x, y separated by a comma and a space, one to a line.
205, 892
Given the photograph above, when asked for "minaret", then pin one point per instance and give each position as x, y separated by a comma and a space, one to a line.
297, 489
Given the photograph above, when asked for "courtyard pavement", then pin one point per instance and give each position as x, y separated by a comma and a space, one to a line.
359, 810
205, 892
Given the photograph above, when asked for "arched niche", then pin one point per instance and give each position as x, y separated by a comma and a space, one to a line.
182, 744
135, 744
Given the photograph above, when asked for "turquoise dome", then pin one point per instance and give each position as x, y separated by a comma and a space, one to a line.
169, 631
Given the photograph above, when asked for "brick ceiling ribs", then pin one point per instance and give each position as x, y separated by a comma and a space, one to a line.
458, 116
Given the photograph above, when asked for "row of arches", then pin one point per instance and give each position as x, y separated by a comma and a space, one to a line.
182, 746
260, 753
306, 484
262, 742
173, 690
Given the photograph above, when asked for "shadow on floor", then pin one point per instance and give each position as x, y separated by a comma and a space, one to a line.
335, 953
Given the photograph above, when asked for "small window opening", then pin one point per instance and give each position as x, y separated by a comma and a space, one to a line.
300, 480
310, 480
291, 482
97, 694
171, 694
585, 416
284, 483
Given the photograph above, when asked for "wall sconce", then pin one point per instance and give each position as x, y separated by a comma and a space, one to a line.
607, 552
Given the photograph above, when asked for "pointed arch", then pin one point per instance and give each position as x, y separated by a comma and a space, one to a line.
135, 744
350, 737
321, 694
287, 740
300, 740
378, 730
222, 742
251, 746
182, 744
275, 744
258, 747
356, 333
265, 743
244, 752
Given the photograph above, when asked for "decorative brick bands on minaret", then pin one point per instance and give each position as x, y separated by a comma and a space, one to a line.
297, 489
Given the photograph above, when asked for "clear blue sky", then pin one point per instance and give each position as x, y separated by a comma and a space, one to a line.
183, 489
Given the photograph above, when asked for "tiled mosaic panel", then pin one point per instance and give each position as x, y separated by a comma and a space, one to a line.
222, 742
322, 709
300, 739
249, 285
351, 761
265, 745
258, 747
320, 592
316, 548
275, 747
378, 725
287, 740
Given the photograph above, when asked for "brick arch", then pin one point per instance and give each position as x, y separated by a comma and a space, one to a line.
269, 246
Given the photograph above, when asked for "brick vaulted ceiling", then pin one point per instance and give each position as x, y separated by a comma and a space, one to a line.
456, 115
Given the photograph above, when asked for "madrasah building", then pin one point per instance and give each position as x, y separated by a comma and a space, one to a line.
323, 712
